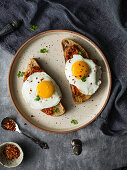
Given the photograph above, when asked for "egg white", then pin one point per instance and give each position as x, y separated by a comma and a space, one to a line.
92, 82
32, 83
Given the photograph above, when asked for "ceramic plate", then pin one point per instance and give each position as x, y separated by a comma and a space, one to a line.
54, 64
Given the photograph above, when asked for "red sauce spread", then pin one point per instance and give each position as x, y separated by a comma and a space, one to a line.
75, 90
71, 51
34, 69
69, 54
48, 111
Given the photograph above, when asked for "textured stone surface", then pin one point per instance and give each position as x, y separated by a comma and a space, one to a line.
100, 152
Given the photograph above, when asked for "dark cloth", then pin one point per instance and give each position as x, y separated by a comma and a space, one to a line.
104, 22
123, 168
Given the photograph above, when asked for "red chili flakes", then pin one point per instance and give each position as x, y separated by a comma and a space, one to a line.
60, 97
36, 78
30, 89
32, 116
72, 79
80, 76
25, 123
69, 61
11, 152
42, 79
31, 81
90, 83
10, 125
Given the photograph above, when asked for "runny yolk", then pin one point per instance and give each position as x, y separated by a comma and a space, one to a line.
80, 69
45, 89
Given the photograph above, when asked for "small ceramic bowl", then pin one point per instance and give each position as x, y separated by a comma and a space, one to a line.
10, 163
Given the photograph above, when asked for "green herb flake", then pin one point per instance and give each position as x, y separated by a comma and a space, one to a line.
83, 78
20, 74
81, 52
55, 110
75, 122
33, 27
44, 50
37, 98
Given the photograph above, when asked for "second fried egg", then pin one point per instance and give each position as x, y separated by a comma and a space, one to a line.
84, 74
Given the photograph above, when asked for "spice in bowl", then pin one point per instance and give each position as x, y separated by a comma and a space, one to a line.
11, 152
9, 125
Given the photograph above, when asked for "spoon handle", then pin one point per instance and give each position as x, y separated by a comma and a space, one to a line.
43, 145
10, 27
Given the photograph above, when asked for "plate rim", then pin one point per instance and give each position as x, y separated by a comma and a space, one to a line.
110, 81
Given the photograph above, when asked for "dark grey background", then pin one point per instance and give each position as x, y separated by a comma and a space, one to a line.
100, 152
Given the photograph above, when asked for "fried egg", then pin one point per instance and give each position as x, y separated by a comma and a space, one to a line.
84, 74
40, 91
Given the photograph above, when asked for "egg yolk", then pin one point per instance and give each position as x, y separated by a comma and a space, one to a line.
45, 89
80, 69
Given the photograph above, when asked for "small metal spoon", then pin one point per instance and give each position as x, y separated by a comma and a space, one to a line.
10, 27
77, 146
43, 145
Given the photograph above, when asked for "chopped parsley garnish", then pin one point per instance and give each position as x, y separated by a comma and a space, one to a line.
81, 52
33, 27
55, 110
20, 74
44, 50
74, 122
83, 78
37, 98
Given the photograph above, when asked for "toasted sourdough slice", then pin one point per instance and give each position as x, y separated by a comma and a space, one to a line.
33, 63
77, 95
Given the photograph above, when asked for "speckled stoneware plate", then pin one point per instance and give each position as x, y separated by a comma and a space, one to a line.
54, 64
